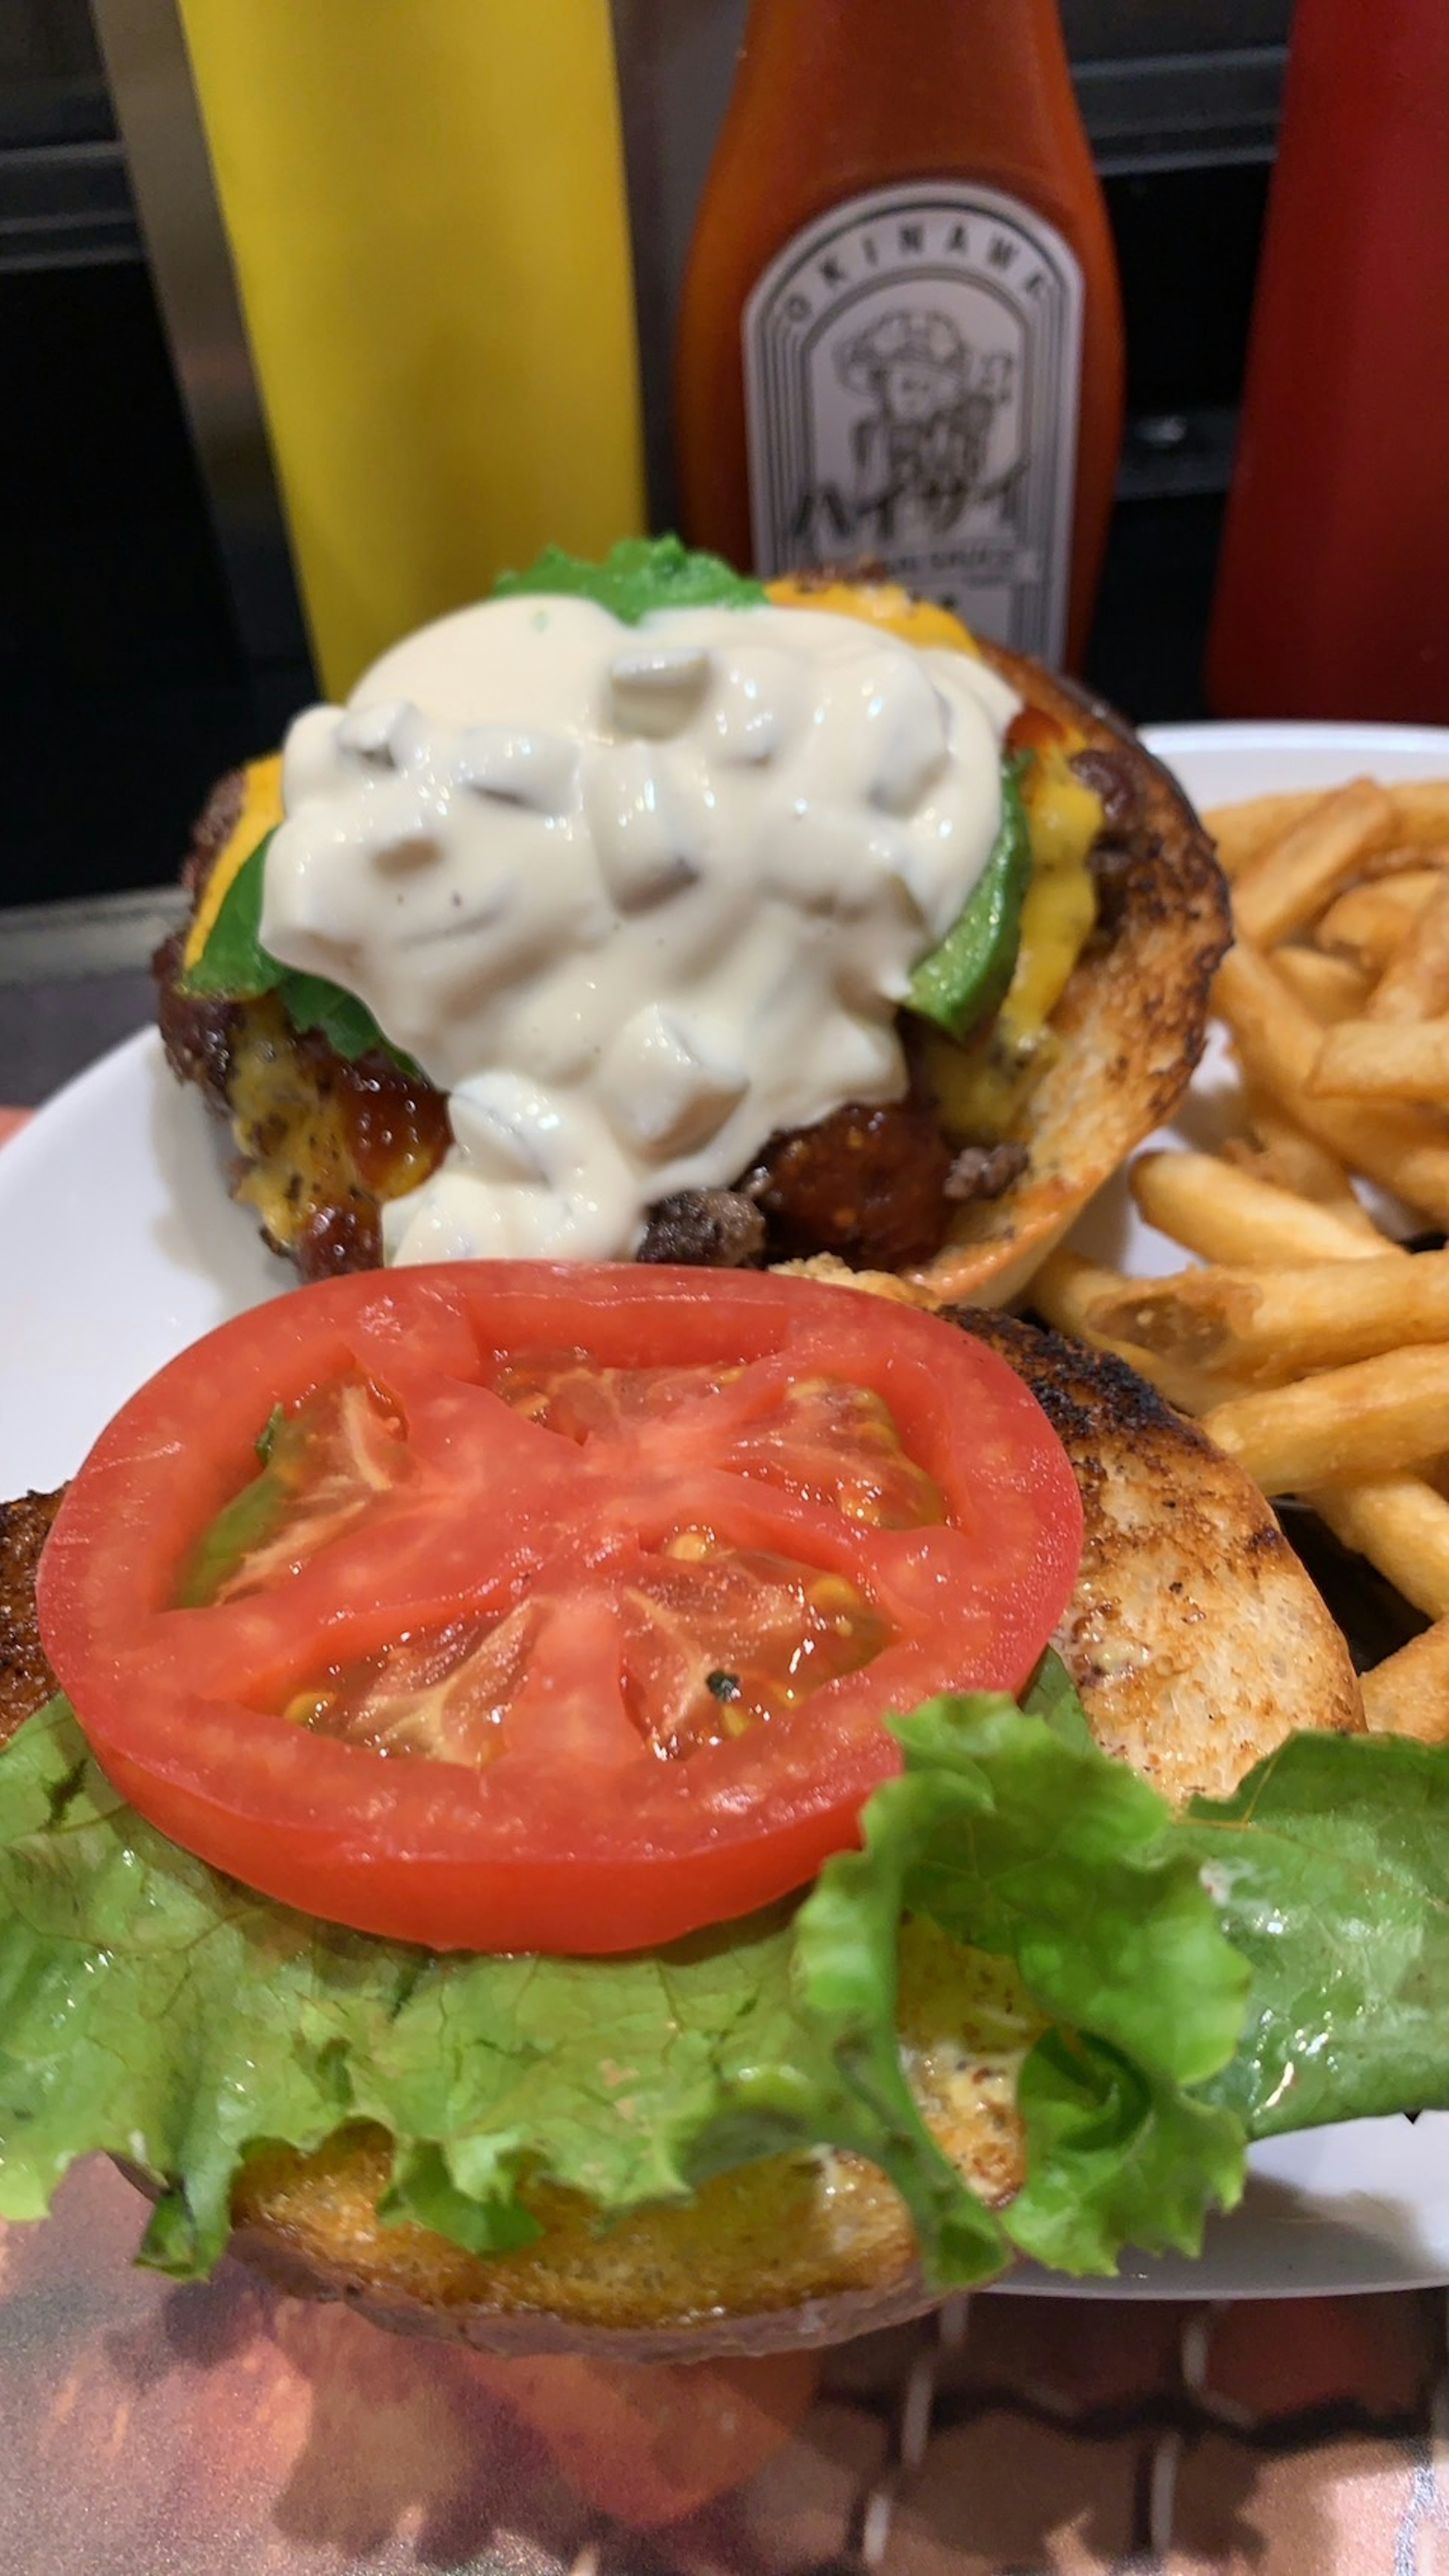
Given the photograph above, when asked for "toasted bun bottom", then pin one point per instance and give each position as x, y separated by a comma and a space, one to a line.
1129, 1027
756, 2263
1126, 1034
1197, 1642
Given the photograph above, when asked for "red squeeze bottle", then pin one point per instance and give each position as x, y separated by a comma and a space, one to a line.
901, 333
1333, 590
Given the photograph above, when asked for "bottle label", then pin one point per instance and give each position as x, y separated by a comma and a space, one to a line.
912, 375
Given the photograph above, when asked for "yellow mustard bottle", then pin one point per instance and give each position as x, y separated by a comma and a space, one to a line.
426, 208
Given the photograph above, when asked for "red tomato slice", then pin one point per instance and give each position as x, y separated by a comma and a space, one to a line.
567, 1611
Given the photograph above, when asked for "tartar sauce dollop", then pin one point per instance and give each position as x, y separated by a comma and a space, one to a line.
634, 896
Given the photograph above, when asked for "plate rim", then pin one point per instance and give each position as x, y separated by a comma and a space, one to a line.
1289, 734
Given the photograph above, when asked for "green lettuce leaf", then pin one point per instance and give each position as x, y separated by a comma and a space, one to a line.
1052, 1694
234, 962
637, 575
1330, 1869
1020, 1838
311, 1002
153, 2009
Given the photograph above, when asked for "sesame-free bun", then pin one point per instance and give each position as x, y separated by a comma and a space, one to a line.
1130, 1025
1198, 1643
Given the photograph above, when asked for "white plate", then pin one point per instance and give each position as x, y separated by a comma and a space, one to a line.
120, 1247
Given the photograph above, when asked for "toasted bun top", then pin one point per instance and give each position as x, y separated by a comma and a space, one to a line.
1127, 1032
1130, 1025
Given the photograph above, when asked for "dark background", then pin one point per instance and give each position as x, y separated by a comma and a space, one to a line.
123, 686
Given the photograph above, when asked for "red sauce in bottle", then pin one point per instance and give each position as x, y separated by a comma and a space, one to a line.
901, 334
1333, 593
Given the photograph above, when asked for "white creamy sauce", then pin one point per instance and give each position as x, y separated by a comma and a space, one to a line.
634, 896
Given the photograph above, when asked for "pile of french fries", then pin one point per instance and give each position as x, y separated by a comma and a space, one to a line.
1312, 1344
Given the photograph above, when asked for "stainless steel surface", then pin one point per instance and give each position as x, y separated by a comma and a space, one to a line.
44, 40
146, 63
151, 2428
64, 205
1175, 454
64, 197
1183, 111
49, 1031
1099, 28
74, 980
111, 934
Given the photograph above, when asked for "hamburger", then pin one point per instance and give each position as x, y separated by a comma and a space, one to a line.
1019, 1971
643, 913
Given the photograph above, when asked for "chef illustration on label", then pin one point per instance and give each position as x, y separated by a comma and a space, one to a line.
923, 446
912, 368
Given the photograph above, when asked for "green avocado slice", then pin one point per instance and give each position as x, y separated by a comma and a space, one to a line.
966, 978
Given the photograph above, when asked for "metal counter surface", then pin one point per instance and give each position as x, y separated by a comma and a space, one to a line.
150, 2429
74, 980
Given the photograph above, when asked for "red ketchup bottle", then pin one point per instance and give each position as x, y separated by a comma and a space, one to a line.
1333, 590
901, 335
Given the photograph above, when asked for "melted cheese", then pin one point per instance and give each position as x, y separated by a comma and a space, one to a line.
879, 603
981, 1086
1064, 819
260, 813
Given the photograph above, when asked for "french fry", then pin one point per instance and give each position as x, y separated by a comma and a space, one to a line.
1228, 1215
1064, 1288
1408, 1694
1370, 922
1402, 1526
1292, 880
1278, 1043
1383, 1060
1266, 1326
1421, 809
1279, 1151
1379, 1417
1063, 1292
1296, 1167
1415, 983
1333, 1340
1404, 855
1332, 988
1242, 832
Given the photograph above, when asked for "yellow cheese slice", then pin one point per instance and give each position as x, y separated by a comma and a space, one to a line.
261, 812
878, 603
981, 1086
